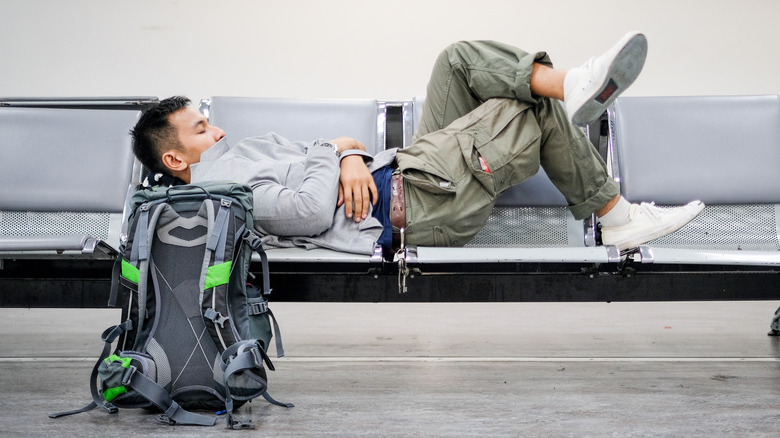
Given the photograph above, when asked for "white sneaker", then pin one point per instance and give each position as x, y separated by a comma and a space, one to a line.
648, 222
601, 80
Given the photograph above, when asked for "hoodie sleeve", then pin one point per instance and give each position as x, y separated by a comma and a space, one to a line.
294, 184
297, 199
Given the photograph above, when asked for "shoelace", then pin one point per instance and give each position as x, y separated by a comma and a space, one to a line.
652, 211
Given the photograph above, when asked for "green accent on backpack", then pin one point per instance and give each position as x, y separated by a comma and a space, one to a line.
130, 272
125, 360
112, 393
218, 275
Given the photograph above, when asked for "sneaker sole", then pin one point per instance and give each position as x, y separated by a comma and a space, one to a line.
621, 73
671, 228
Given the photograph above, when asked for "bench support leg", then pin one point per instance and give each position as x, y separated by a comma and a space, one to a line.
775, 326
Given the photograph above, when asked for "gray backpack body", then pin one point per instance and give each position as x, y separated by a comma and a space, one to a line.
194, 333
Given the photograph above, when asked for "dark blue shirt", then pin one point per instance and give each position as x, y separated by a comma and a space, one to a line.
382, 207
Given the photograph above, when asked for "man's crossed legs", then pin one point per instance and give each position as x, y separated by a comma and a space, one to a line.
489, 121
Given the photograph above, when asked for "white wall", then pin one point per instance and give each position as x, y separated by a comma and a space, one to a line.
364, 49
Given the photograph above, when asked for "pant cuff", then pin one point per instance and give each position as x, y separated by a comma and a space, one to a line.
523, 78
606, 193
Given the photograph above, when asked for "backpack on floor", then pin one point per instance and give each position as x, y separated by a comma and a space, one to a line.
194, 333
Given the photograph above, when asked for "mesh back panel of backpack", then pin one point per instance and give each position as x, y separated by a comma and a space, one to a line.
180, 329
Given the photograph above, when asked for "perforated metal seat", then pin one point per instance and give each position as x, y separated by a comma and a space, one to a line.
723, 150
64, 179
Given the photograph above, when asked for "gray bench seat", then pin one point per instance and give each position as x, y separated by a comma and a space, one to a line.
64, 180
36, 246
724, 150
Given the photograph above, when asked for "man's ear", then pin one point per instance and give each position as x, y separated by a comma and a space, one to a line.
174, 160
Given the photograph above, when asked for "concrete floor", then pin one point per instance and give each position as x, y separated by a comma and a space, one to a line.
444, 369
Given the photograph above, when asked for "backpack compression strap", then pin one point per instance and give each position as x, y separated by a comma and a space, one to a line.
108, 337
254, 241
257, 245
160, 397
142, 384
239, 357
127, 267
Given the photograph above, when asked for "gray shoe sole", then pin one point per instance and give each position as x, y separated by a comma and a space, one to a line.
623, 71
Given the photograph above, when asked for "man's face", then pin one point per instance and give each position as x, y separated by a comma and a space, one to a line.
195, 133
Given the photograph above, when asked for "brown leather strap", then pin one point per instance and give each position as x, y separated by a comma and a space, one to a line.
397, 207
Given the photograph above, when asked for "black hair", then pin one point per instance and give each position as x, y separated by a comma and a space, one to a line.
154, 133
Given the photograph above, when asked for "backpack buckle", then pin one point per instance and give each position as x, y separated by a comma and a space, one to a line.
216, 317
127, 377
258, 308
255, 350
252, 239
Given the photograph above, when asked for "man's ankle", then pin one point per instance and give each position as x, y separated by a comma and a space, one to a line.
618, 215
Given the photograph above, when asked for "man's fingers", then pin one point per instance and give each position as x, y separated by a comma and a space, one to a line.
366, 199
348, 201
374, 192
357, 200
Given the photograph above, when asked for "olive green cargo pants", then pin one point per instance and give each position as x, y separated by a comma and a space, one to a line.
481, 132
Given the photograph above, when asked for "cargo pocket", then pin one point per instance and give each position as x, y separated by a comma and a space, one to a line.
429, 181
499, 150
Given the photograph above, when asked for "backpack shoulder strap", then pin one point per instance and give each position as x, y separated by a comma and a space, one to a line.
132, 269
215, 276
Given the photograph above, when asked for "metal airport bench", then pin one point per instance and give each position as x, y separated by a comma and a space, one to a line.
723, 150
66, 170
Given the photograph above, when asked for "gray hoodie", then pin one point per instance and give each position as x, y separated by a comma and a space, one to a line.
295, 187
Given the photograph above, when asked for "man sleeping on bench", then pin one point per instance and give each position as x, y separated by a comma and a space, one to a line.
489, 121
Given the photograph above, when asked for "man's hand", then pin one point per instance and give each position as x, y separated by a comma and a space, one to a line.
356, 187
